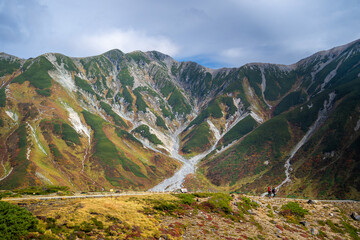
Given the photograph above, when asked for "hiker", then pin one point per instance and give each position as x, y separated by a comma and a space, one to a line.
269, 191
274, 192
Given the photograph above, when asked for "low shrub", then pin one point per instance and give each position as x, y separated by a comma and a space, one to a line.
15, 222
293, 210
186, 198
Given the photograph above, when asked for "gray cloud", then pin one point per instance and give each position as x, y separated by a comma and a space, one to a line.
215, 33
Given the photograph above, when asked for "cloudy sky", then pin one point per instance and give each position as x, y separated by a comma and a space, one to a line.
226, 33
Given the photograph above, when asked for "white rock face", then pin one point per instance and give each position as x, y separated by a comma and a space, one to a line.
37, 140
76, 123
12, 115
263, 86
43, 178
357, 127
214, 130
28, 152
256, 117
330, 76
60, 75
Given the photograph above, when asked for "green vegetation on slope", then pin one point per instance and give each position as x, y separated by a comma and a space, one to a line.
242, 128
214, 110
160, 122
138, 57
44, 92
144, 131
97, 67
175, 97
8, 67
42, 190
84, 85
178, 102
19, 175
140, 103
161, 102
198, 82
126, 135
62, 129
167, 88
2, 97
290, 100
247, 158
69, 135
274, 131
278, 82
37, 73
110, 94
117, 119
347, 71
125, 78
107, 154
254, 77
335, 139
127, 97
236, 87
304, 116
55, 152
68, 63
198, 139
166, 112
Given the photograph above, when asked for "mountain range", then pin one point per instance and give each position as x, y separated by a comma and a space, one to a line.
144, 121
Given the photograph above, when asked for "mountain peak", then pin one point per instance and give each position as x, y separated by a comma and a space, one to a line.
332, 53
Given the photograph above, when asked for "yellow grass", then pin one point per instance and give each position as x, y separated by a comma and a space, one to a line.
128, 209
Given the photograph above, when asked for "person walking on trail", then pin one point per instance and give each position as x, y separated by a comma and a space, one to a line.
269, 191
274, 192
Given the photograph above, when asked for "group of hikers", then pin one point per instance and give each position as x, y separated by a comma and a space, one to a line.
271, 191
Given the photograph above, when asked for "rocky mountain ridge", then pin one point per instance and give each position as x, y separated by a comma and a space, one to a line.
129, 121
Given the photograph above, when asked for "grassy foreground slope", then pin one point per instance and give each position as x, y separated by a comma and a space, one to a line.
189, 216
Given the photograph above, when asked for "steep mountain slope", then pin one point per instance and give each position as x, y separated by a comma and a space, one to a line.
130, 120
313, 132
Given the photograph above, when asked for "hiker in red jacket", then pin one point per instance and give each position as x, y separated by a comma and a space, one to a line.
269, 191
